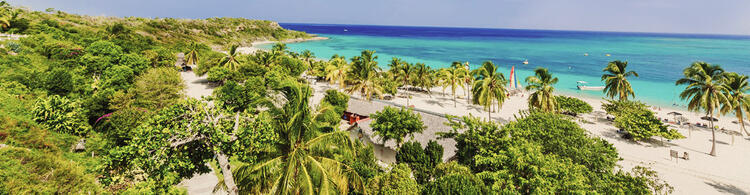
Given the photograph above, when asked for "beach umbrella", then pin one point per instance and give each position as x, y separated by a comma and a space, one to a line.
709, 118
675, 114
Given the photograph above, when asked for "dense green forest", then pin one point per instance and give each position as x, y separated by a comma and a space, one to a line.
95, 105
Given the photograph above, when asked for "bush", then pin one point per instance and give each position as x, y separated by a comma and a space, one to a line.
340, 101
219, 74
456, 184
638, 121
240, 97
160, 57
104, 48
59, 82
422, 162
135, 61
396, 181
118, 77
61, 114
24, 171
572, 106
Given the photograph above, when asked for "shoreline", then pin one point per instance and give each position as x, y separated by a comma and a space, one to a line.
254, 45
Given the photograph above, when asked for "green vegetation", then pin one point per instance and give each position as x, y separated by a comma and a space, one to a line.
541, 83
616, 80
489, 87
395, 124
104, 80
541, 153
572, 106
112, 83
638, 121
422, 162
705, 90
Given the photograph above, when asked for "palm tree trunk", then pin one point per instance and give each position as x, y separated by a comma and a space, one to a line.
227, 173
741, 120
454, 99
713, 134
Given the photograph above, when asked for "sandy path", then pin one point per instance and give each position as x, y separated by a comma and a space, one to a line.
196, 87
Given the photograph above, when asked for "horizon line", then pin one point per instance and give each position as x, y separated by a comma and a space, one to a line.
558, 30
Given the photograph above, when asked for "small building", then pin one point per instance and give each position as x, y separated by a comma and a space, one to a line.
359, 111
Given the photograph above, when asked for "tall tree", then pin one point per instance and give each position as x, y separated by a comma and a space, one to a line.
453, 77
423, 77
307, 56
230, 61
192, 56
541, 83
616, 80
489, 87
403, 72
395, 124
336, 69
301, 162
704, 91
364, 75
736, 87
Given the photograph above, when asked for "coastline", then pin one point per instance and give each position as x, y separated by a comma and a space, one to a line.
253, 47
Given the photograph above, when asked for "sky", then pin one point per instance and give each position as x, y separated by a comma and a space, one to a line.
669, 16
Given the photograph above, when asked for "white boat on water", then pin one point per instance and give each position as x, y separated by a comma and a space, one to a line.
582, 86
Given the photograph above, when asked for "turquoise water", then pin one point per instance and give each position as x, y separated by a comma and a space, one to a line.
658, 58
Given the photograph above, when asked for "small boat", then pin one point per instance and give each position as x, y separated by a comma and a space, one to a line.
345, 30
582, 86
608, 55
525, 61
585, 54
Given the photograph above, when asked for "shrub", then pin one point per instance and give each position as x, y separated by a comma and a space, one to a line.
160, 57
59, 82
422, 162
24, 171
118, 77
638, 121
240, 97
104, 48
456, 184
396, 181
340, 101
572, 106
60, 114
219, 74
135, 61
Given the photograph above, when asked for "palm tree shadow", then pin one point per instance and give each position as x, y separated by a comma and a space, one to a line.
434, 102
726, 188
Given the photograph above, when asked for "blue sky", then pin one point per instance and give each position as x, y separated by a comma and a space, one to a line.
676, 16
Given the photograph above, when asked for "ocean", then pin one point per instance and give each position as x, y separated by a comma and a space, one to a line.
570, 55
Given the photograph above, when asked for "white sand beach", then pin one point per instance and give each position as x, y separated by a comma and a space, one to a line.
254, 47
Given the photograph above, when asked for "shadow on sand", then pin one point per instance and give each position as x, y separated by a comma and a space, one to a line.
726, 188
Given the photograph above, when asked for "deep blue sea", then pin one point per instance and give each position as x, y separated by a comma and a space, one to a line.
658, 58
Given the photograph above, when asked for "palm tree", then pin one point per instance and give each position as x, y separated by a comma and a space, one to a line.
266, 58
230, 60
279, 48
364, 75
542, 82
6, 14
704, 91
453, 77
423, 77
616, 80
403, 72
301, 162
489, 87
307, 56
192, 55
736, 86
337, 69
468, 79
